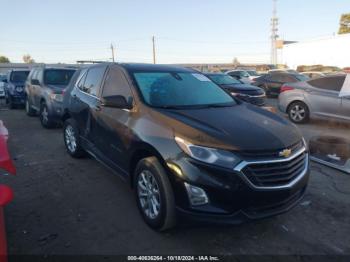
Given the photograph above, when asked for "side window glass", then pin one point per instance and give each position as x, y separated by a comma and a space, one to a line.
81, 80
93, 80
116, 84
328, 83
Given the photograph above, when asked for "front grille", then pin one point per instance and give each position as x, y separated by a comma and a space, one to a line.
273, 174
275, 207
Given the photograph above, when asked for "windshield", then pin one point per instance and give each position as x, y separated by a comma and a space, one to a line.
253, 73
170, 89
223, 79
58, 76
19, 76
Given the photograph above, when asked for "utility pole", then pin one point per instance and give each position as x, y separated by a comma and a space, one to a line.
112, 48
154, 50
274, 36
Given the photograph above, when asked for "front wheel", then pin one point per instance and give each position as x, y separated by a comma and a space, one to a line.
298, 112
154, 194
29, 110
72, 139
45, 117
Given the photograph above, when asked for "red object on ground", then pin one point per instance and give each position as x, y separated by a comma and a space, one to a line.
6, 193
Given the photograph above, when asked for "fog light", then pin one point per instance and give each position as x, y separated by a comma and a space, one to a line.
196, 195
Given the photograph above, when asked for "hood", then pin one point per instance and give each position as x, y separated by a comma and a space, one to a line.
243, 88
240, 128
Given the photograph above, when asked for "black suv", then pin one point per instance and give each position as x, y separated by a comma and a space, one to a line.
187, 148
45, 88
14, 87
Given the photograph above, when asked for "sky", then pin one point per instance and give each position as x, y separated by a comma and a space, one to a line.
186, 31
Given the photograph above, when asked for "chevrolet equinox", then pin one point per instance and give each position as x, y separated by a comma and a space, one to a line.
187, 148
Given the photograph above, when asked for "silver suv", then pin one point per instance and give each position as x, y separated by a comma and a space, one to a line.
44, 91
315, 98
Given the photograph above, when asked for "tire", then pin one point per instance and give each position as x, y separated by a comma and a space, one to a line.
29, 111
298, 112
165, 218
72, 140
44, 116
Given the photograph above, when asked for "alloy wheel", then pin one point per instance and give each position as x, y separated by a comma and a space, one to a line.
297, 113
148, 194
69, 135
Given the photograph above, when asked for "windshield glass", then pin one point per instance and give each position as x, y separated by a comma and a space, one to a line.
223, 79
58, 76
165, 89
19, 76
253, 73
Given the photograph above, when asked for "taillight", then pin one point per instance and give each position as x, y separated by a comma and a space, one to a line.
286, 88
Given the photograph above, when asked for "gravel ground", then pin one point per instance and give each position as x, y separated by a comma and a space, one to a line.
68, 206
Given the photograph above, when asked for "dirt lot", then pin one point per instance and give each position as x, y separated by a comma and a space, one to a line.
68, 206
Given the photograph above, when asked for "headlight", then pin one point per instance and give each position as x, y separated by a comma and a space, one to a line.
208, 155
57, 97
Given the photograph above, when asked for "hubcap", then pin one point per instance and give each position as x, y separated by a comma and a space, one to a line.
70, 139
148, 193
297, 113
45, 115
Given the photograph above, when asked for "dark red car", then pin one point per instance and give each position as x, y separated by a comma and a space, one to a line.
6, 193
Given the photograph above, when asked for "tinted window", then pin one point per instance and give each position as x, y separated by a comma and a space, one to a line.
301, 77
58, 76
287, 79
19, 76
223, 79
180, 89
93, 80
116, 84
81, 79
328, 83
275, 77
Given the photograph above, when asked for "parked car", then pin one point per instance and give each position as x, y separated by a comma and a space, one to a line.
187, 148
246, 76
2, 85
272, 83
248, 93
6, 193
14, 87
315, 98
313, 74
44, 89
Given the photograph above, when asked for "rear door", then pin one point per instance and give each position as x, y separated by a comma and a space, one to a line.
323, 96
111, 125
85, 101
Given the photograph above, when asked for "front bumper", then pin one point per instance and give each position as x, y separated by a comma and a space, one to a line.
17, 99
232, 198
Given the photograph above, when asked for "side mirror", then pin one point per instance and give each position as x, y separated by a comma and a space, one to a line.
35, 82
117, 102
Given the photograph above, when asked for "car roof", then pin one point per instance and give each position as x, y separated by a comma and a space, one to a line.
214, 74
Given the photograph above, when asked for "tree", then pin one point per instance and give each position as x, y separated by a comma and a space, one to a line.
236, 62
4, 59
344, 24
28, 59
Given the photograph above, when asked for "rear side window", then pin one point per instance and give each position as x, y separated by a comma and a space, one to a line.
334, 83
58, 76
116, 84
93, 80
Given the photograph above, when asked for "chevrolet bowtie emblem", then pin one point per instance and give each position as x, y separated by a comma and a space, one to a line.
285, 153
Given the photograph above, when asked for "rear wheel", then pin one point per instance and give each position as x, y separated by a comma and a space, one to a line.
29, 110
72, 139
298, 112
154, 194
45, 117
